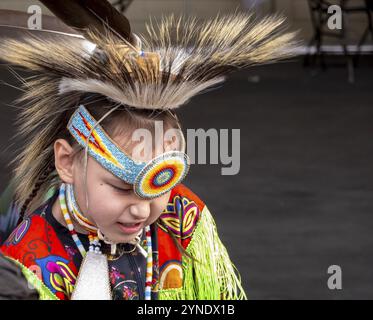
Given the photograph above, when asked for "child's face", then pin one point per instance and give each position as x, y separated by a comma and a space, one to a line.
112, 202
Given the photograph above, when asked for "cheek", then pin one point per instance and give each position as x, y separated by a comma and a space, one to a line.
104, 205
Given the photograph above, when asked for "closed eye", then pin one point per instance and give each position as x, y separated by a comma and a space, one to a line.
120, 189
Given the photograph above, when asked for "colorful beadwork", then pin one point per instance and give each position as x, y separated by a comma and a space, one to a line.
149, 265
95, 244
161, 174
149, 179
68, 220
74, 209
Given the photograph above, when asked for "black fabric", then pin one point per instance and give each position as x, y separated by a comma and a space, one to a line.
9, 213
13, 285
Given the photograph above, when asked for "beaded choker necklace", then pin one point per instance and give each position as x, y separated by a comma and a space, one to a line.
89, 283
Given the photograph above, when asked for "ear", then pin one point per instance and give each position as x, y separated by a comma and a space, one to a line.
64, 160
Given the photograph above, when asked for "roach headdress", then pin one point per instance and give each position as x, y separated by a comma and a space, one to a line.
175, 60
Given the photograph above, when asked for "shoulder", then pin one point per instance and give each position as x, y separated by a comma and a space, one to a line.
177, 222
182, 214
184, 192
31, 240
189, 219
35, 246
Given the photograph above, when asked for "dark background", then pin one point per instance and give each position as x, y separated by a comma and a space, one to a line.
302, 200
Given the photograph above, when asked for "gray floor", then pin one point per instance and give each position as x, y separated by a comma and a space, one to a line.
302, 200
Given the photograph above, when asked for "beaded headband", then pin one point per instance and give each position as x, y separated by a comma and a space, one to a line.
149, 179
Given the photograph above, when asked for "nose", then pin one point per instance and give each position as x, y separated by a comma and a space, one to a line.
140, 210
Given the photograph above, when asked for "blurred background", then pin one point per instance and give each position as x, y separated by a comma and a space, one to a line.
303, 199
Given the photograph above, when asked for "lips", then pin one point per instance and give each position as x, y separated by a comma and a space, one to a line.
131, 224
130, 228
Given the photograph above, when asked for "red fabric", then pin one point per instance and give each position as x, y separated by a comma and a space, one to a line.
35, 244
186, 192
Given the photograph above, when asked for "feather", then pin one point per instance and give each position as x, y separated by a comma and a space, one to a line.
15, 32
91, 15
14, 25
181, 58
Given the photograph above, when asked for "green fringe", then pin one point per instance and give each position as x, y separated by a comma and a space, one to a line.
35, 282
213, 276
171, 294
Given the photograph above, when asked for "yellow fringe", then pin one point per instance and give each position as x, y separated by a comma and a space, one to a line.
171, 294
213, 276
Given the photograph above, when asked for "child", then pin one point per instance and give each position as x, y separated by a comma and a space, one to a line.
118, 223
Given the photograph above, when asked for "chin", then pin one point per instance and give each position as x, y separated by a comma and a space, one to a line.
120, 238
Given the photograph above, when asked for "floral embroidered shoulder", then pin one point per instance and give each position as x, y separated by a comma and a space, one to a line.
48, 257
